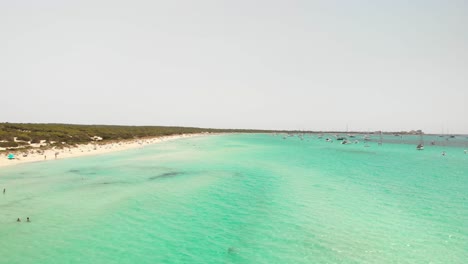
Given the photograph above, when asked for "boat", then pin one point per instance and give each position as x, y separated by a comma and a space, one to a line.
420, 146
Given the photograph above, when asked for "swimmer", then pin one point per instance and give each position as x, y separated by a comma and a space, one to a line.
27, 220
18, 220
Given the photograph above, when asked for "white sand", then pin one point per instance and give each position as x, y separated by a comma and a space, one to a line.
85, 150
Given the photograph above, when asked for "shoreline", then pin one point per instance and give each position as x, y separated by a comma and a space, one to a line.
89, 149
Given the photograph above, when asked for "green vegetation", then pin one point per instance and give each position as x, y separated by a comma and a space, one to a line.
66, 134
8, 144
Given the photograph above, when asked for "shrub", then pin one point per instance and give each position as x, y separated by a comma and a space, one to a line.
24, 138
9, 144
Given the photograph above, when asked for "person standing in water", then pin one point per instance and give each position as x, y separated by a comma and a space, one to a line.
18, 220
4, 190
27, 219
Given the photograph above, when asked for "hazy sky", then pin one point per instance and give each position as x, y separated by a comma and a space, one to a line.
319, 65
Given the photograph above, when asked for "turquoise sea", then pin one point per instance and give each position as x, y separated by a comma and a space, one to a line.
243, 198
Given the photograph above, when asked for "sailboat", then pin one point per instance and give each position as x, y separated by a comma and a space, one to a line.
420, 146
366, 140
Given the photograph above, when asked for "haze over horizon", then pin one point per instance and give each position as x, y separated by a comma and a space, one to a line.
293, 65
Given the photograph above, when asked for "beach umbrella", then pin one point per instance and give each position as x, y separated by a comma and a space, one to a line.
11, 156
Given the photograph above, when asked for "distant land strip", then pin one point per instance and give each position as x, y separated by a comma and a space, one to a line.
16, 136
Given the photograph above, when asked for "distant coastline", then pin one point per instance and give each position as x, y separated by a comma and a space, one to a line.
21, 138
39, 142
16, 137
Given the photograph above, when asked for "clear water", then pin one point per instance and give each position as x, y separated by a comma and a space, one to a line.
242, 199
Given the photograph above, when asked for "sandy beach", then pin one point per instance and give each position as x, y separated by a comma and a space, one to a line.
84, 150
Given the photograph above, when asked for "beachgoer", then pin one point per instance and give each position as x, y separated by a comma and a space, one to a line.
18, 220
27, 220
4, 190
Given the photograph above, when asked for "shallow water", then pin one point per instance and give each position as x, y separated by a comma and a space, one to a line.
242, 199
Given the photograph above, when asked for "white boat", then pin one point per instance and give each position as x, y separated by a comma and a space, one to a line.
420, 146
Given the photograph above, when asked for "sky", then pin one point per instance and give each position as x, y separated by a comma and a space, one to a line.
267, 64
